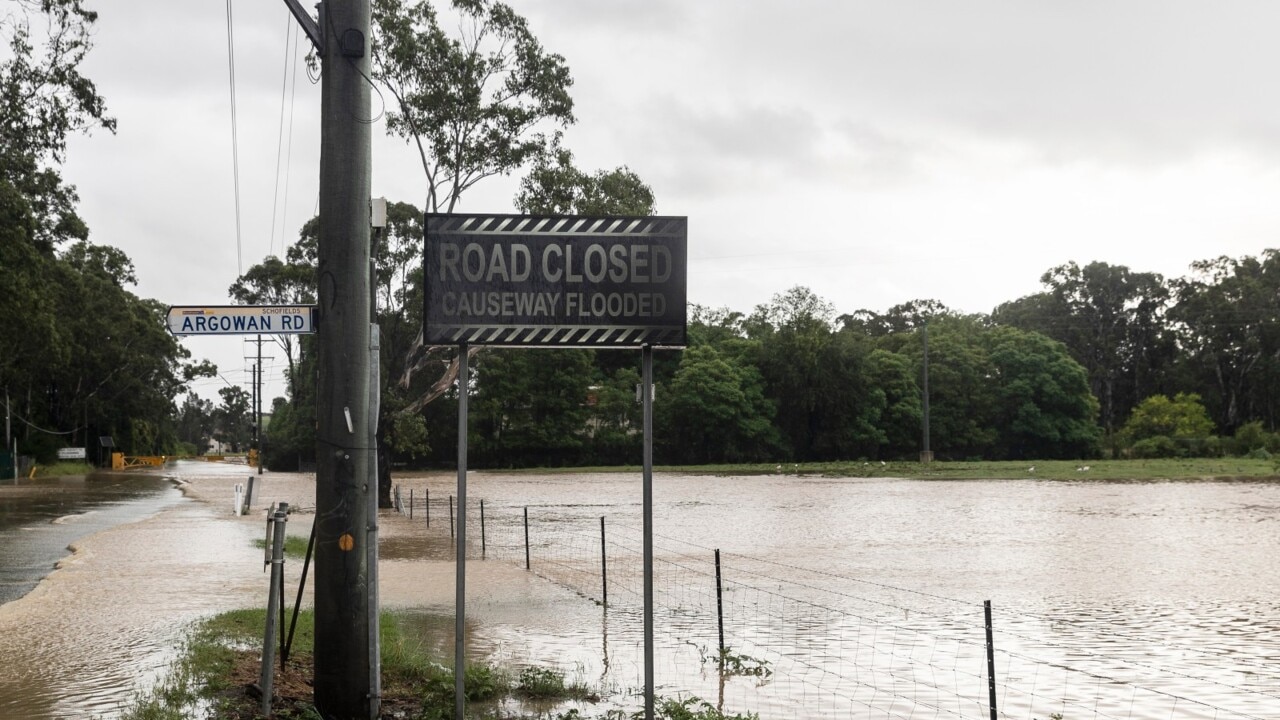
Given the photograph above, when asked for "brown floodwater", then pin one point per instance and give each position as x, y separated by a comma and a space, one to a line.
108, 620
842, 598
864, 597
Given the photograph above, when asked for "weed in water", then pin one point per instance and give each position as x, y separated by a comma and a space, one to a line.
537, 682
732, 663
691, 708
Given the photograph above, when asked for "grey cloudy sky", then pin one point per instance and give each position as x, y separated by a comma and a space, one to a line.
876, 152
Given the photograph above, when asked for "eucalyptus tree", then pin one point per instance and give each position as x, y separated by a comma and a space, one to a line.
1228, 325
716, 412
816, 377
555, 185
279, 282
44, 99
1041, 405
233, 417
473, 105
894, 381
1112, 321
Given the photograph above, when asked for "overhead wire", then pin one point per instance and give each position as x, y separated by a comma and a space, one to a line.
235, 139
284, 86
288, 157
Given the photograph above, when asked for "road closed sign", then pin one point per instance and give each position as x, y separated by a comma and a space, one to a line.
557, 281
242, 319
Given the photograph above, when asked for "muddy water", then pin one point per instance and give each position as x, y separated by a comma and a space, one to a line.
40, 518
107, 621
1128, 600
1134, 600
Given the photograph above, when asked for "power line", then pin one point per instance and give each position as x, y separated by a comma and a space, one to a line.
235, 139
284, 86
288, 157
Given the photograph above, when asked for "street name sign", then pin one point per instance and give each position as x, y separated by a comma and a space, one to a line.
555, 281
242, 319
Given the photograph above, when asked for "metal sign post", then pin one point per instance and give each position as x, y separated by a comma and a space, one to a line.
460, 586
646, 389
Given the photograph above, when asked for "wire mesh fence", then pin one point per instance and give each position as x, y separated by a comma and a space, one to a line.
773, 637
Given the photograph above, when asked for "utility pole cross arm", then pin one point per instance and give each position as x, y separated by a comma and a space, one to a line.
308, 23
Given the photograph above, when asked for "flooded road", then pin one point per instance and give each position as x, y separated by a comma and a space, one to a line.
40, 518
108, 620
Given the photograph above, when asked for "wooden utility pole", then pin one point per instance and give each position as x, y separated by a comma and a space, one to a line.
346, 648
926, 453
256, 410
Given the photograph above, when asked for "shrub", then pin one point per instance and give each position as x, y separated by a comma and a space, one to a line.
1159, 446
1251, 437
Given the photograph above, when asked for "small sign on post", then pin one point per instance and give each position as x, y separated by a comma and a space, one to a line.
241, 319
71, 453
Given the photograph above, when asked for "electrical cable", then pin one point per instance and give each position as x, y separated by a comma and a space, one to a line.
284, 86
288, 155
235, 139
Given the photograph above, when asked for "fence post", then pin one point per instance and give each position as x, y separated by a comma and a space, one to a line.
427, 504
604, 566
526, 537
484, 548
277, 522
266, 545
719, 608
410, 503
450, 516
991, 658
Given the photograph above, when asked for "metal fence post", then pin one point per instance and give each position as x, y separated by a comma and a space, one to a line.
604, 567
720, 608
991, 658
484, 547
427, 504
450, 516
273, 606
526, 537
410, 503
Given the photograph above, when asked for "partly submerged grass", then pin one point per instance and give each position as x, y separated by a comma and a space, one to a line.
63, 469
202, 681
294, 546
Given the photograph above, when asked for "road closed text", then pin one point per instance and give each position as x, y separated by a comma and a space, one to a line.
638, 263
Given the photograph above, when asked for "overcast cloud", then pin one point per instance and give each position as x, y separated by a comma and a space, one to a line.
877, 152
